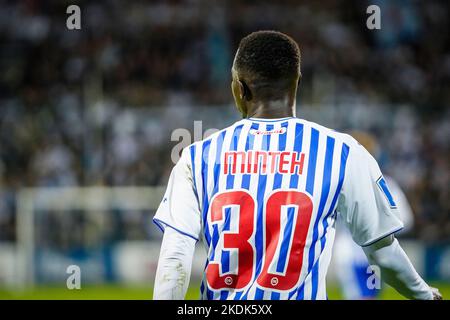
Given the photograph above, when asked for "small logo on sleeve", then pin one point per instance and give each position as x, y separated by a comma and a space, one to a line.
382, 184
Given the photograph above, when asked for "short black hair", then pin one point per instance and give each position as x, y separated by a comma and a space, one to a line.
268, 56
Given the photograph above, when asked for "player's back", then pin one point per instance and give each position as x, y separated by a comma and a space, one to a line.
267, 193
263, 194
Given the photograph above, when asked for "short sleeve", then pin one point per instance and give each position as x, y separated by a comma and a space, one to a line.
365, 203
179, 208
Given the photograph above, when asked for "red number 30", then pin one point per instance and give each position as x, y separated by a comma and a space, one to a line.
246, 253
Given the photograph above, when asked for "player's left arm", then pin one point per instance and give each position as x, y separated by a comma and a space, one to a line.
370, 213
179, 217
398, 271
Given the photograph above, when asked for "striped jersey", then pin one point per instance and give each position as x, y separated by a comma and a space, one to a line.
263, 195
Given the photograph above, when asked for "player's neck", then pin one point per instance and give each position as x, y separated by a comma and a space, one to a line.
272, 110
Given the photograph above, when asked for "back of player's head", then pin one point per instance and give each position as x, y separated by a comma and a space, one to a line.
268, 61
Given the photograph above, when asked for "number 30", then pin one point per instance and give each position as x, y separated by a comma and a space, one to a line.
272, 215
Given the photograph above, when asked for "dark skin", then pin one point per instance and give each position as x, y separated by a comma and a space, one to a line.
251, 106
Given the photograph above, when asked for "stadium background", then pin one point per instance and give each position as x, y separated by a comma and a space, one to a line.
100, 107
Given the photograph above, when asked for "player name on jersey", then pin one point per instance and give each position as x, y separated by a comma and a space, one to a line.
263, 162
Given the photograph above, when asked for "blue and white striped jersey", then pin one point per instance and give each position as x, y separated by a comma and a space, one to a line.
263, 195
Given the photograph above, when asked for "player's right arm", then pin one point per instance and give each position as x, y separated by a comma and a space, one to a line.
179, 217
370, 213
174, 266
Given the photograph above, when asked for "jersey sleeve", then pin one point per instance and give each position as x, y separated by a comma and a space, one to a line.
404, 209
365, 203
179, 208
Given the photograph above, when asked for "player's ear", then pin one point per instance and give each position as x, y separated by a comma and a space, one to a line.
245, 93
237, 90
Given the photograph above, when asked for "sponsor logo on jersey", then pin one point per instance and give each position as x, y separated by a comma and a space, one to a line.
257, 132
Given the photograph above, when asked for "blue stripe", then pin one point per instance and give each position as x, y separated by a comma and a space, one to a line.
278, 178
275, 296
245, 296
286, 239
233, 147
301, 292
209, 294
205, 153
291, 294
223, 295
160, 224
215, 241
344, 157
298, 141
202, 289
238, 295
385, 189
217, 163
192, 151
259, 295
313, 147
331, 209
249, 146
323, 199
381, 237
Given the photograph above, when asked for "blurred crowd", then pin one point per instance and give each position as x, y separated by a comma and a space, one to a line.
97, 106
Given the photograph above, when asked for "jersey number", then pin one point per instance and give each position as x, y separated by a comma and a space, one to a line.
293, 239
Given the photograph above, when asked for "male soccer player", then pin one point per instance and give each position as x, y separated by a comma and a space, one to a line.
263, 195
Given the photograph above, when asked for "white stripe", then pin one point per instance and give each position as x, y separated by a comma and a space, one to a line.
318, 185
307, 287
234, 227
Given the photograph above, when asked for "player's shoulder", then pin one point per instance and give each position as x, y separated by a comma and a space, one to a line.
337, 135
197, 145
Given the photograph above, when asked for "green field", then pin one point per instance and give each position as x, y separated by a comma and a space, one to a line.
107, 292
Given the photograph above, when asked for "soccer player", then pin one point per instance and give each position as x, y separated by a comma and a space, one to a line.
262, 195
352, 267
